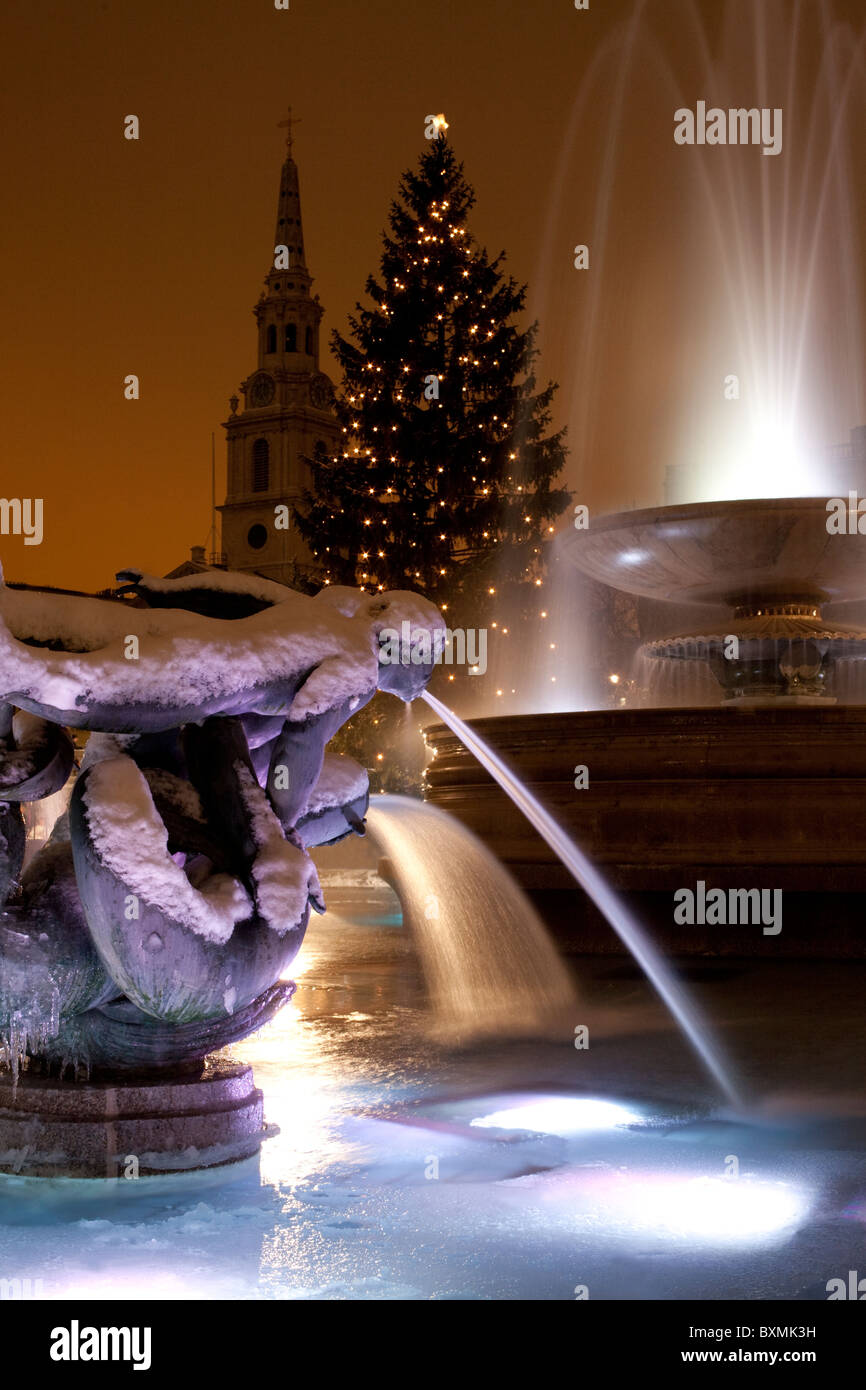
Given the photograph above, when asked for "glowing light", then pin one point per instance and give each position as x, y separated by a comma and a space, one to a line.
771, 461
734, 1210
559, 1115
614, 678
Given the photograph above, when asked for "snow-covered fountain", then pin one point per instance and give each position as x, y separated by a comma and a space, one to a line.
157, 922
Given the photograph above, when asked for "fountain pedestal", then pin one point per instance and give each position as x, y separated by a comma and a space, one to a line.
124, 1129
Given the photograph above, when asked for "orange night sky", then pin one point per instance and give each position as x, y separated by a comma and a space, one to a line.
146, 257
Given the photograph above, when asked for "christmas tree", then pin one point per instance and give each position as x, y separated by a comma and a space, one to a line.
446, 482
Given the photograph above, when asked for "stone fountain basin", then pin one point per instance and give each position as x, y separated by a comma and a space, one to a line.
724, 552
771, 797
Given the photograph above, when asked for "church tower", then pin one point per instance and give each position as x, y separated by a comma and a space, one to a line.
287, 407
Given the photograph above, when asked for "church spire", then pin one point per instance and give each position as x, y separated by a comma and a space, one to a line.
289, 231
287, 413
287, 314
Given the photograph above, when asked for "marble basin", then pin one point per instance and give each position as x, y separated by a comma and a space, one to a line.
735, 553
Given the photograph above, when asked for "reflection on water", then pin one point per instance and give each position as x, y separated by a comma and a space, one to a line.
609, 1170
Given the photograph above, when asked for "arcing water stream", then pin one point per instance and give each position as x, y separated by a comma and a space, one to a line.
489, 963
593, 884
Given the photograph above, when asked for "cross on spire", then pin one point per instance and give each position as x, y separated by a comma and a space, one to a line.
287, 126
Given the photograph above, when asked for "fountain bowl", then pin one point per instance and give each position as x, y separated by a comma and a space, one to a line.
731, 553
772, 563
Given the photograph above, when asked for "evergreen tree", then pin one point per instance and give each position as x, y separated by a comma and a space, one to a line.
446, 482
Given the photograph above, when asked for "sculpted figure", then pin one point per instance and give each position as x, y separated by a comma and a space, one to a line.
156, 923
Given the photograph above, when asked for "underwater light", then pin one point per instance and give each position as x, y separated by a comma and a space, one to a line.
559, 1115
709, 1208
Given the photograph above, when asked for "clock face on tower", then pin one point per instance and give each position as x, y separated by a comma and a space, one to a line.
321, 392
261, 389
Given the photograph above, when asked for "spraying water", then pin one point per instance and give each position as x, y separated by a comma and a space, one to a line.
489, 963
593, 884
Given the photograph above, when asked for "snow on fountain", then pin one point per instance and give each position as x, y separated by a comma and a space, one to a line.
157, 922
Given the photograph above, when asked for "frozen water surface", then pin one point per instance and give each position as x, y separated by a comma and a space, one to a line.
411, 1168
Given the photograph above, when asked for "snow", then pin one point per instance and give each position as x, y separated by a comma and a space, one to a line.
178, 790
285, 877
82, 624
29, 734
218, 581
186, 660
341, 780
131, 840
385, 610
101, 746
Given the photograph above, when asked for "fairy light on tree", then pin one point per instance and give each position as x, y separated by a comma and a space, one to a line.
460, 501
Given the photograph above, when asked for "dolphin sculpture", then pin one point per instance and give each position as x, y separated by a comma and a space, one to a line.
159, 919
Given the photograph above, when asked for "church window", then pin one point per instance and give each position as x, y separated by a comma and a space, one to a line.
257, 536
308, 342
291, 337
272, 338
261, 465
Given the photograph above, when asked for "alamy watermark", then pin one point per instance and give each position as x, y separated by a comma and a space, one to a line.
739, 125
846, 517
22, 516
19, 1288
457, 646
743, 907
77, 1343
853, 1288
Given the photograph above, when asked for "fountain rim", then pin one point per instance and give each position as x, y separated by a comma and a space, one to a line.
611, 521
721, 554
551, 724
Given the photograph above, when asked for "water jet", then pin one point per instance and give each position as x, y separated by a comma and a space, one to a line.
764, 789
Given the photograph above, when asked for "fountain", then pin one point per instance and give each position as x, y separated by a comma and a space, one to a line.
764, 790
772, 564
490, 967
156, 923
158, 920
595, 886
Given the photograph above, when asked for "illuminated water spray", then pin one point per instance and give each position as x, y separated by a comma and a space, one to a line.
594, 885
488, 960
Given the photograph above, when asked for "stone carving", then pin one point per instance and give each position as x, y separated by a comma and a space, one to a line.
157, 921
